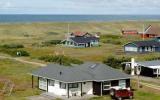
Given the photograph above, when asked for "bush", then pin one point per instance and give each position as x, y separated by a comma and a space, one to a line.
116, 42
15, 52
115, 62
12, 46
51, 42
61, 59
110, 36
113, 39
52, 33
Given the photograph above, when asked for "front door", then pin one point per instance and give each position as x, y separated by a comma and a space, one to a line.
97, 88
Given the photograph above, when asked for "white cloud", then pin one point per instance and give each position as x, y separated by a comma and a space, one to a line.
81, 6
6, 5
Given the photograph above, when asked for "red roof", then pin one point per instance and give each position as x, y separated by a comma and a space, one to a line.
152, 30
129, 31
78, 33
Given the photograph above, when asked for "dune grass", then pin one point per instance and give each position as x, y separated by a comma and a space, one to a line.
31, 35
18, 73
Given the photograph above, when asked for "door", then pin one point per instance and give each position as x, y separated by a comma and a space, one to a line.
97, 88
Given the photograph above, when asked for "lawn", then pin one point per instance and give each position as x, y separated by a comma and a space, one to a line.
18, 74
32, 35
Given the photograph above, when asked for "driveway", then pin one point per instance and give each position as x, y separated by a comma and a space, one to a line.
50, 96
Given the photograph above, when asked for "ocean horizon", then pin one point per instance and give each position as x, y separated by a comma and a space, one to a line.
22, 18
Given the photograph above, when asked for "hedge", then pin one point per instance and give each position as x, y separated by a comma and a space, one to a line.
61, 59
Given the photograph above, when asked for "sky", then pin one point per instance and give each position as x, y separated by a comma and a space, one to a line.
80, 7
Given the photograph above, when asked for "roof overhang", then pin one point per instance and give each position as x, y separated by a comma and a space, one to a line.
82, 80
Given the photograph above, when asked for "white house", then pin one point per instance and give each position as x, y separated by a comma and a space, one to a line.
146, 68
86, 79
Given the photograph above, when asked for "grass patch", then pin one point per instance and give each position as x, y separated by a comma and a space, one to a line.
18, 74
12, 46
51, 42
61, 59
101, 98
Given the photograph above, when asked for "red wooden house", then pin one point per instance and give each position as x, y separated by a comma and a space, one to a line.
150, 32
129, 32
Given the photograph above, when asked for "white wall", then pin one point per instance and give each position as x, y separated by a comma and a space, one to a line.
56, 89
87, 87
133, 49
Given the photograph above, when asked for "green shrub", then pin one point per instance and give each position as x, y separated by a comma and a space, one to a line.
14, 52
115, 62
116, 42
110, 36
61, 59
12, 46
51, 42
52, 33
112, 39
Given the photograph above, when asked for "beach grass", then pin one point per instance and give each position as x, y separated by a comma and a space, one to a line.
31, 35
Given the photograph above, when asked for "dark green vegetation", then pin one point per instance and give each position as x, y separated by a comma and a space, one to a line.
112, 39
51, 42
115, 62
12, 46
61, 59
14, 50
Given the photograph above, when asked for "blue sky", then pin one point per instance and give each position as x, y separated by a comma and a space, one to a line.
79, 6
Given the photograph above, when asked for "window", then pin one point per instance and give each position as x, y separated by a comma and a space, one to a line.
122, 83
43, 83
51, 82
155, 71
106, 85
62, 85
73, 85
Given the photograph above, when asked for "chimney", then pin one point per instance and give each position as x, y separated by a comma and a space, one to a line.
60, 73
132, 66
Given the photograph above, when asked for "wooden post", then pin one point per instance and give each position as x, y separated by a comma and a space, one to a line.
32, 81
47, 85
68, 89
38, 82
138, 82
101, 89
81, 89
157, 72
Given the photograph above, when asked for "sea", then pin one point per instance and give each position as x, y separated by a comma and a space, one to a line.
22, 18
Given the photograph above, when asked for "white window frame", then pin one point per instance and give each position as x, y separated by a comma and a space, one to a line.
51, 83
73, 85
106, 85
62, 85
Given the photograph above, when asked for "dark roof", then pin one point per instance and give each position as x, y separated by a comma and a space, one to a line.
80, 73
150, 63
83, 39
146, 43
